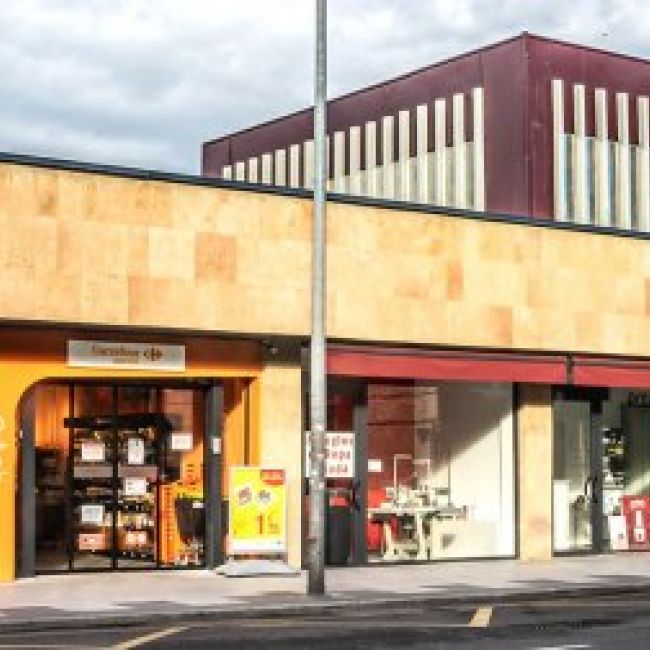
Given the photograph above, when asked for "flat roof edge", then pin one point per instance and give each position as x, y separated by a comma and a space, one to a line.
135, 173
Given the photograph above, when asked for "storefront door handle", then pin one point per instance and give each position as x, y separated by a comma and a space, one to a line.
589, 488
354, 495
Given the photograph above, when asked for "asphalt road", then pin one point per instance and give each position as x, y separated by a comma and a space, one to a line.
596, 624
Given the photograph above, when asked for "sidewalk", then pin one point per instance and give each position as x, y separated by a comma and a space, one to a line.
123, 598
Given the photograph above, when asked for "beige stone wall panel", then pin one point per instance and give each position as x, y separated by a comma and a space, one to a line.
281, 444
171, 253
216, 257
535, 460
81, 247
28, 244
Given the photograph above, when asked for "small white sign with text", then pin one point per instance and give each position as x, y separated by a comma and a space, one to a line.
126, 356
339, 454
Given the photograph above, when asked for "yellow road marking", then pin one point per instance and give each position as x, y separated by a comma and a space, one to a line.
147, 638
481, 617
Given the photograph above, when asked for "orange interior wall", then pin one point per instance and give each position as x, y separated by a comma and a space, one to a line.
27, 357
51, 408
240, 433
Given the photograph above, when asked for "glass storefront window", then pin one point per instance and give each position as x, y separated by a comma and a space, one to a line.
440, 471
573, 448
182, 535
625, 465
601, 480
51, 446
120, 479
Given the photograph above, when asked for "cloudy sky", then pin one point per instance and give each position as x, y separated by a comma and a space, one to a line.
144, 82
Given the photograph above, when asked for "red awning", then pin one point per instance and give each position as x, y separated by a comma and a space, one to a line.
466, 366
611, 373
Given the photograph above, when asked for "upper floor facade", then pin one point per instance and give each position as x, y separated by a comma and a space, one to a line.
528, 126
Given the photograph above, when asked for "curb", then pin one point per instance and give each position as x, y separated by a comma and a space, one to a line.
313, 606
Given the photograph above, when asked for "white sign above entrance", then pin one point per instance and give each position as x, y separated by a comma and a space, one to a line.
126, 356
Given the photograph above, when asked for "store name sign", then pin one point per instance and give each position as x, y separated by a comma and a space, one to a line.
126, 356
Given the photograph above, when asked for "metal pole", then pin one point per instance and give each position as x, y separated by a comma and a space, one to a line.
318, 400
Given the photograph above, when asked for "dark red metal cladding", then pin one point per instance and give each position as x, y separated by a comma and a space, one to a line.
573, 64
611, 373
500, 69
506, 173
465, 366
456, 75
516, 76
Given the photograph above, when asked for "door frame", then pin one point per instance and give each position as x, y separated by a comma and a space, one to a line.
356, 390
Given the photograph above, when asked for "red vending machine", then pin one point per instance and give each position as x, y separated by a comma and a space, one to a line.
637, 520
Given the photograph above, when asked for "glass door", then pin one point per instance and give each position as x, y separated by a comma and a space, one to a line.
137, 495
121, 478
577, 475
91, 496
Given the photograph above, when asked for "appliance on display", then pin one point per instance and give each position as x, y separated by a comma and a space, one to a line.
413, 515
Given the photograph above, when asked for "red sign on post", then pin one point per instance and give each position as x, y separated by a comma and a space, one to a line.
637, 519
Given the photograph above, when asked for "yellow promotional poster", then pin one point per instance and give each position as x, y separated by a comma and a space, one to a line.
258, 511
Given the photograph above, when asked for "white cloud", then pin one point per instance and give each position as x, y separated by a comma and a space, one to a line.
143, 83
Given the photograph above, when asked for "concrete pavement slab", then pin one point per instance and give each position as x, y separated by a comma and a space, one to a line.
73, 600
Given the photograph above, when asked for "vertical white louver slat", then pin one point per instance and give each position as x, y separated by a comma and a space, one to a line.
280, 168
330, 181
404, 155
387, 162
371, 187
579, 157
355, 160
251, 175
602, 174
559, 152
643, 166
240, 171
440, 151
308, 165
423, 182
623, 195
226, 172
267, 167
478, 166
459, 151
339, 162
294, 165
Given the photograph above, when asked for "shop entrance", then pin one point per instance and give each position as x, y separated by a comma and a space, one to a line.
121, 476
577, 471
433, 480
601, 470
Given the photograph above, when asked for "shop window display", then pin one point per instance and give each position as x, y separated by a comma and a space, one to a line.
119, 477
626, 470
601, 482
440, 471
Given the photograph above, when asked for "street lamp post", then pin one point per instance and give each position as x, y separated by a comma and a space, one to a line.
318, 400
